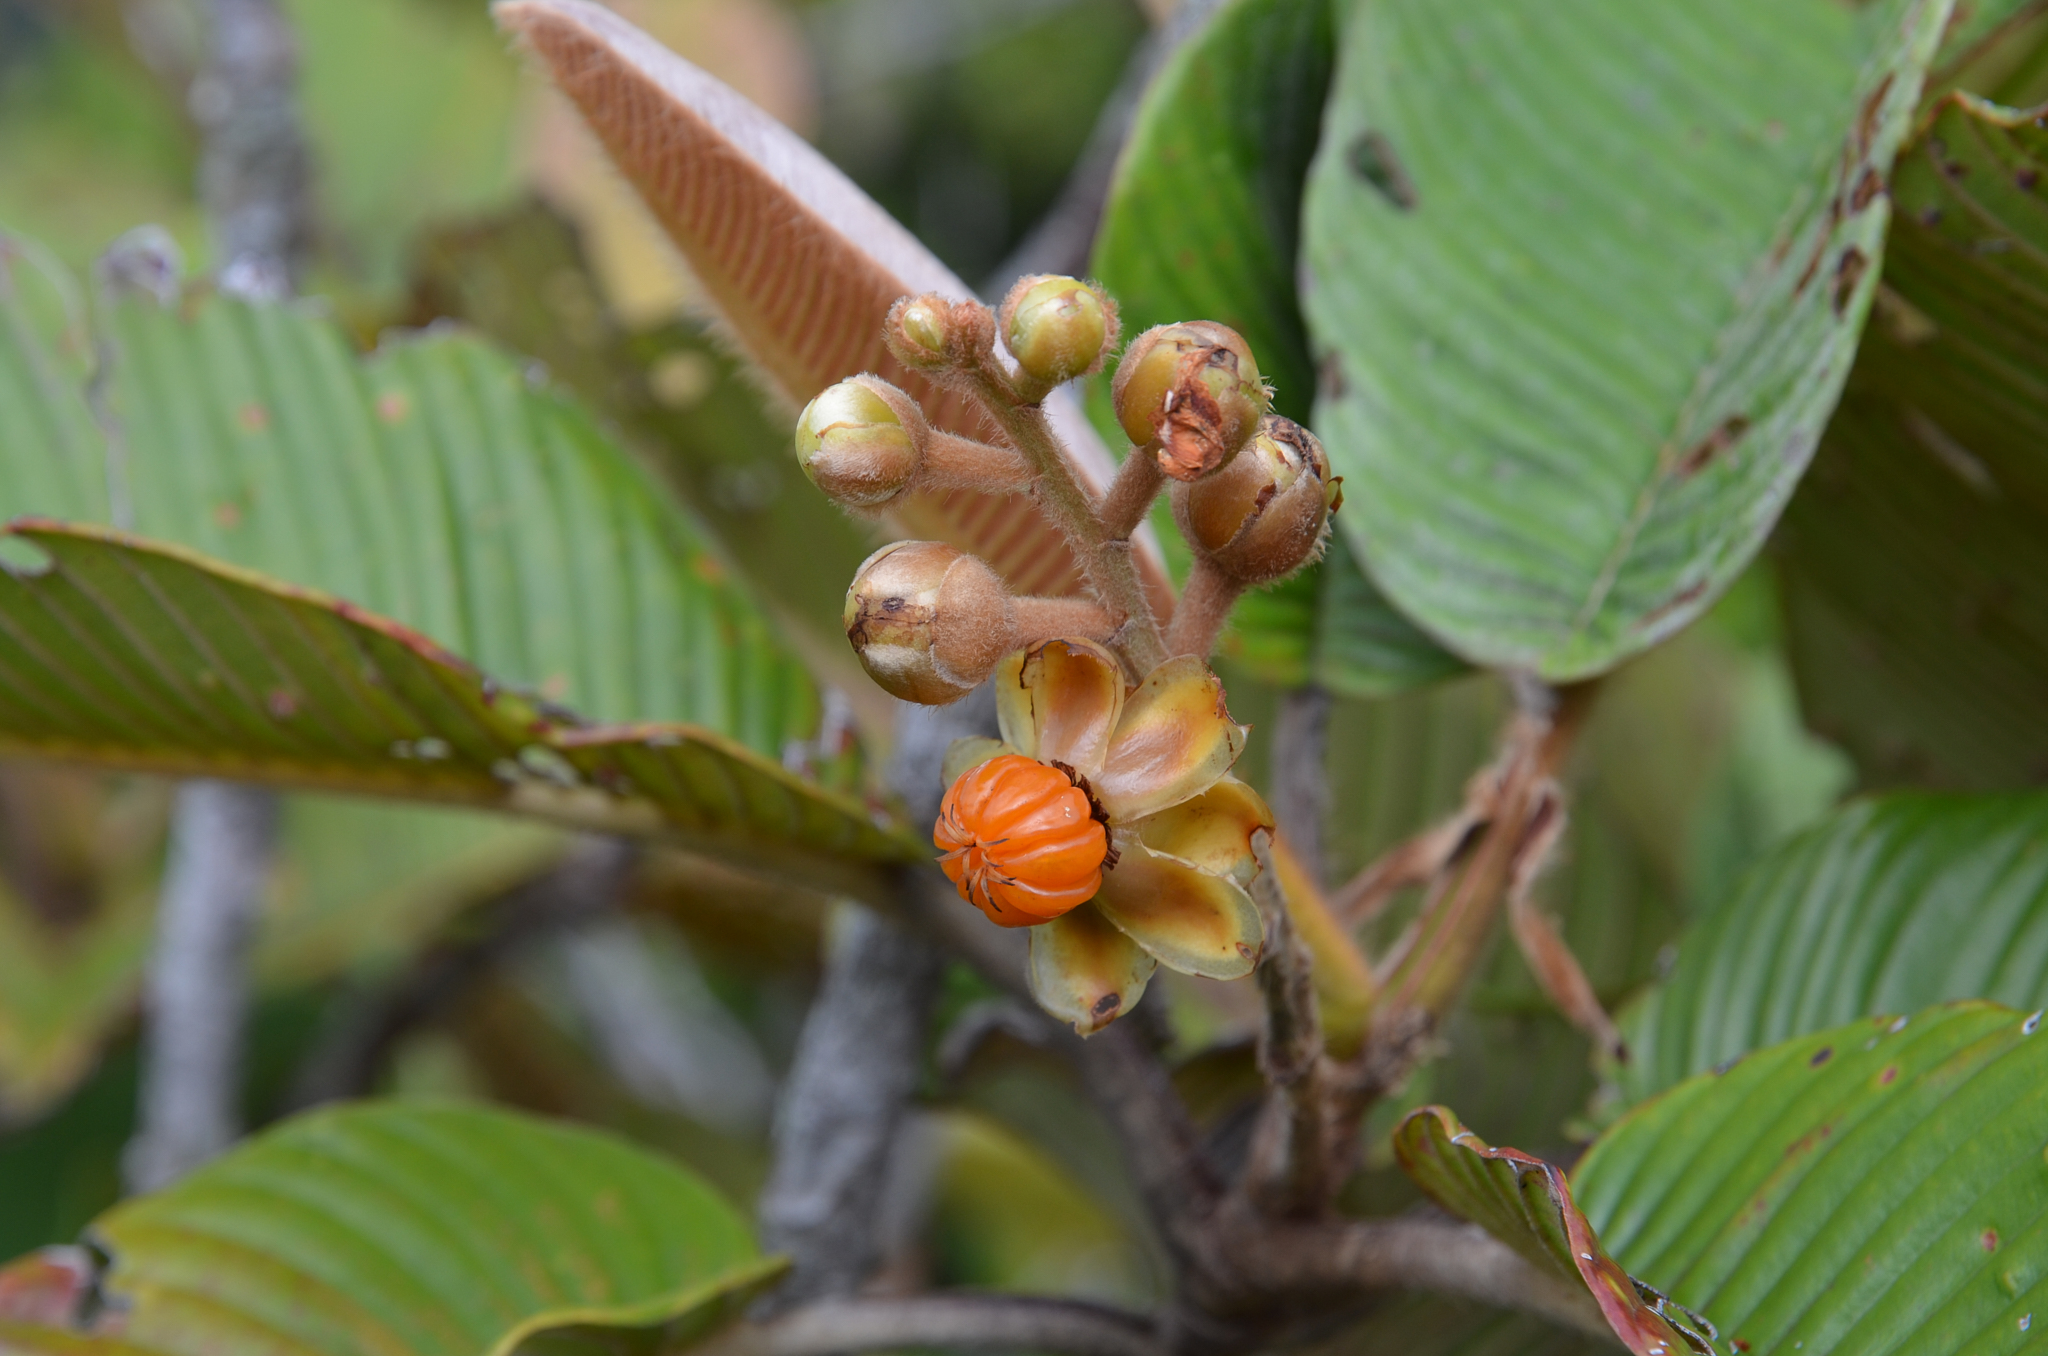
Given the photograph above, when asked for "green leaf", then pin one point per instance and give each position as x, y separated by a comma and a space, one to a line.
1589, 279
1203, 223
1527, 1204
1877, 1187
141, 655
684, 401
424, 1229
435, 483
1891, 905
1915, 558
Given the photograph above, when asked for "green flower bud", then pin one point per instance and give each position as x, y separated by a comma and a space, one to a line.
1057, 328
1267, 513
928, 622
861, 441
1191, 393
932, 334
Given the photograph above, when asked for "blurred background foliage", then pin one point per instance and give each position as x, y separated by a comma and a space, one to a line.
452, 184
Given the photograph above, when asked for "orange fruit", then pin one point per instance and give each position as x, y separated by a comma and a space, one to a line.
1020, 841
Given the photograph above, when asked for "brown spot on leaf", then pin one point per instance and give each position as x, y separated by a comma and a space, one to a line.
1849, 271
1684, 597
394, 406
1812, 267
282, 704
1821, 1056
1868, 187
1330, 378
1371, 157
2026, 176
1889, 1076
1740, 1344
1989, 1240
253, 418
1725, 435
1867, 119
227, 515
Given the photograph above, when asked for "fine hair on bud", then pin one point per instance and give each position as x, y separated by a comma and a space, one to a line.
1267, 513
862, 441
929, 622
936, 334
1057, 328
1191, 394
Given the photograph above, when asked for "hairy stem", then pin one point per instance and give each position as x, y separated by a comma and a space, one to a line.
947, 1322
1043, 619
1204, 609
1107, 559
952, 462
1138, 482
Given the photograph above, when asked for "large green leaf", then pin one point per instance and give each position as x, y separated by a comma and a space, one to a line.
1203, 222
1890, 906
1589, 277
1915, 558
1873, 1188
435, 483
421, 1229
126, 653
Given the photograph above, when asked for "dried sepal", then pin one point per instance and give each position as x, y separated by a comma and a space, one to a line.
1190, 394
1267, 513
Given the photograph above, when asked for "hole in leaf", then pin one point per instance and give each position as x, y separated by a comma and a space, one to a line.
24, 559
1371, 157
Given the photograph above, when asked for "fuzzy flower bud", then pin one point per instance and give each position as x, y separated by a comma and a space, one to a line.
928, 622
1191, 393
1057, 328
934, 334
1266, 514
861, 441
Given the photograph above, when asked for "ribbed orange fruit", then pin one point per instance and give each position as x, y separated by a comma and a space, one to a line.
1020, 841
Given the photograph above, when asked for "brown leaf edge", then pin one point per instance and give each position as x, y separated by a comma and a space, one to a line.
1527, 1204
801, 264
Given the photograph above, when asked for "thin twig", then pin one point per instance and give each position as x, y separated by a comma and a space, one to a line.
254, 182
1301, 782
1417, 1253
951, 1322
222, 839
1290, 1170
1550, 959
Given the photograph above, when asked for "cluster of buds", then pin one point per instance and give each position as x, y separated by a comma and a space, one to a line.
1105, 819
